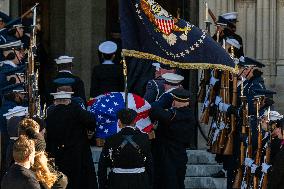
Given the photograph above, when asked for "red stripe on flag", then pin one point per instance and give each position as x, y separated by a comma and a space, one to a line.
139, 101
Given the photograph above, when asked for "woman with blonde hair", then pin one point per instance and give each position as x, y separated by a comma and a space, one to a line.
46, 174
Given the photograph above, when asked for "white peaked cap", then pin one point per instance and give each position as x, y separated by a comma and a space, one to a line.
108, 47
16, 111
64, 59
274, 115
172, 78
62, 95
230, 15
234, 43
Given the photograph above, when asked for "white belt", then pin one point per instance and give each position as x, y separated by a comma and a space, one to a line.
131, 171
14, 138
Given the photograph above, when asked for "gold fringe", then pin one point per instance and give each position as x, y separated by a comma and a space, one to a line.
189, 65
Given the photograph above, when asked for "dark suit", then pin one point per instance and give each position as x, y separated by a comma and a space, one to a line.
67, 142
128, 157
276, 175
176, 125
19, 177
106, 78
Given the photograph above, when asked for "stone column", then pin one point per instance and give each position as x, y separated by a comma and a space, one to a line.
85, 28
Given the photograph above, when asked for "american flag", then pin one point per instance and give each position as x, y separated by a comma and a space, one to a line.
106, 107
165, 25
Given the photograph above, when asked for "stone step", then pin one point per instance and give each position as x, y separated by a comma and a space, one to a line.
205, 182
194, 156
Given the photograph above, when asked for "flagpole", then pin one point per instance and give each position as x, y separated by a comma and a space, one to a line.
125, 80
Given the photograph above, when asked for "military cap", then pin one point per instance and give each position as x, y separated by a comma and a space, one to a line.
181, 95
4, 17
247, 62
126, 116
62, 95
233, 42
64, 81
265, 92
16, 112
108, 47
172, 78
222, 21
64, 60
273, 115
15, 23
230, 16
18, 87
11, 44
13, 70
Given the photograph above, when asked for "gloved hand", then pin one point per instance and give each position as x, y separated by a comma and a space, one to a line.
253, 168
213, 81
223, 107
218, 100
265, 167
248, 162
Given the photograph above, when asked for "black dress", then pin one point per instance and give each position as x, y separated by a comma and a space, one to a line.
169, 148
106, 78
67, 142
126, 157
19, 177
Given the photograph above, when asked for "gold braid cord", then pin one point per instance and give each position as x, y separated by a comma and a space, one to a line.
189, 65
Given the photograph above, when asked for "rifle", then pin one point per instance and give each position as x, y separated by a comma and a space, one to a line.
267, 152
230, 142
209, 99
239, 175
259, 141
32, 83
202, 86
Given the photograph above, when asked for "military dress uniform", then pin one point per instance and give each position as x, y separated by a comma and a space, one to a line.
67, 142
128, 154
176, 125
108, 76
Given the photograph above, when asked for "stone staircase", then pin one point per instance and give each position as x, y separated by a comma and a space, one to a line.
201, 165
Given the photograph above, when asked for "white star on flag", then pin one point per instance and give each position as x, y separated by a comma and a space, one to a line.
100, 117
106, 131
110, 110
103, 105
115, 103
108, 121
111, 96
107, 100
101, 127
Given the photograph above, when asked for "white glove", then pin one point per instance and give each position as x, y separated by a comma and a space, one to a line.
265, 167
218, 100
213, 80
248, 162
253, 168
244, 185
223, 107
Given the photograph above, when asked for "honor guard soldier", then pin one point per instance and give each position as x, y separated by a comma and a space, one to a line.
13, 57
108, 76
128, 154
227, 23
172, 81
176, 126
155, 87
64, 68
67, 142
16, 29
4, 19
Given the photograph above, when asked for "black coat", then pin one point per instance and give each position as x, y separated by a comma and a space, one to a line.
169, 148
106, 78
128, 157
19, 177
67, 142
276, 175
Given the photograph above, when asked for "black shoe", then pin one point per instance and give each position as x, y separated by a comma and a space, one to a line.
220, 174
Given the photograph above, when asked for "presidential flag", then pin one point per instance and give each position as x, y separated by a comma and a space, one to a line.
150, 33
107, 106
